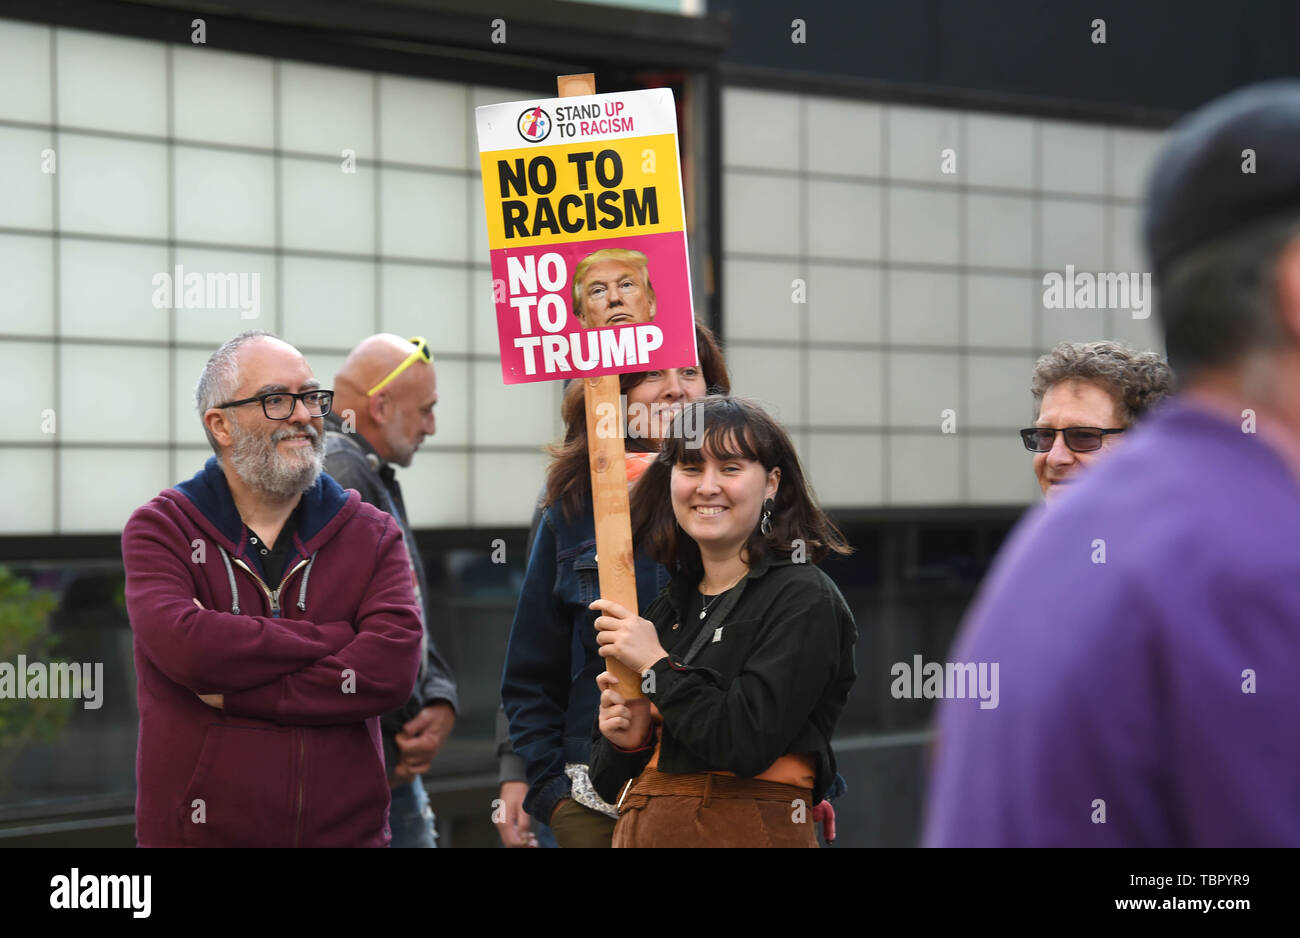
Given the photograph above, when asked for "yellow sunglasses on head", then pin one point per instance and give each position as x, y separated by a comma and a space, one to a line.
421, 352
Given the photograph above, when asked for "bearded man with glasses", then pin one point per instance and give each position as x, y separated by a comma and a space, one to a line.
1085, 396
260, 695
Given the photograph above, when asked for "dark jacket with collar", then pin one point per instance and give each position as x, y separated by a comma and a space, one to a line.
773, 682
306, 665
354, 464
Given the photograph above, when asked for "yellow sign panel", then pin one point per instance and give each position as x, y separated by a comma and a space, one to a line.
581, 191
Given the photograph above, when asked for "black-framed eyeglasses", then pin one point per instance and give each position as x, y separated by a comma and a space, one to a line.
1078, 439
279, 405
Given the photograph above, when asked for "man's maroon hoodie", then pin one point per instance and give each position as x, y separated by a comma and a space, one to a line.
307, 666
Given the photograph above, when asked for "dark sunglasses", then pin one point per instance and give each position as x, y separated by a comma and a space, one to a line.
1078, 439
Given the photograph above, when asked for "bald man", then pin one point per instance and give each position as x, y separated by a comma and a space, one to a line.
384, 397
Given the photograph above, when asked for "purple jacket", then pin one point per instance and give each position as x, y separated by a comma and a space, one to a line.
1149, 700
306, 666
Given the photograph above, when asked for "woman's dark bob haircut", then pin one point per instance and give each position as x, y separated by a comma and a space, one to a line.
568, 480
732, 428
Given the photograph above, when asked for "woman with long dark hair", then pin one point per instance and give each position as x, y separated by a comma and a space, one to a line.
746, 656
548, 687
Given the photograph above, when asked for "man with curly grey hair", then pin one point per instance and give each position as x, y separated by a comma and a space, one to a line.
1085, 395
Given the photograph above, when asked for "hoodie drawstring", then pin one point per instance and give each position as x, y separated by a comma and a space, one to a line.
302, 590
230, 574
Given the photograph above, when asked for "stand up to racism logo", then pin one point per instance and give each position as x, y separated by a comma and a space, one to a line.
534, 125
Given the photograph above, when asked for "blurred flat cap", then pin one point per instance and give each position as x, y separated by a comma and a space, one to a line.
1200, 188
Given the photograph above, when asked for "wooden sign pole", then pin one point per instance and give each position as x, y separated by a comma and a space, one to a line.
614, 562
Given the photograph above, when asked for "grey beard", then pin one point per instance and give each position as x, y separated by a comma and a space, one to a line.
256, 462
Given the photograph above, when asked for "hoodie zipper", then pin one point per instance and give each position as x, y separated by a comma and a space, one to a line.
272, 595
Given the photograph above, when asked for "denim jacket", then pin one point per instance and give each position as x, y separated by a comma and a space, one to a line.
548, 687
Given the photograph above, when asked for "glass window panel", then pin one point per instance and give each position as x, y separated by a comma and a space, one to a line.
326, 110
923, 226
187, 426
924, 470
998, 391
844, 303
758, 297
26, 191
451, 415
846, 469
416, 209
483, 326
427, 301
921, 387
844, 388
328, 303
478, 221
516, 414
27, 479
251, 305
1000, 310
506, 487
856, 130
112, 186
114, 394
917, 139
24, 72
999, 151
1074, 157
28, 369
761, 214
1072, 325
1000, 471
1132, 153
100, 488
27, 272
223, 97
999, 231
924, 308
1126, 250
760, 128
224, 197
328, 209
435, 488
1141, 334
111, 83
843, 220
423, 122
107, 289
771, 376
1073, 233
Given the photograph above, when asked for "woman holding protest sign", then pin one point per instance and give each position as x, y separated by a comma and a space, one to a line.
548, 688
746, 656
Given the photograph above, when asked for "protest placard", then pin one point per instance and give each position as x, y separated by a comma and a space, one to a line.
585, 224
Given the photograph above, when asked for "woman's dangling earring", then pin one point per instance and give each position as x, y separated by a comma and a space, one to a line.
765, 523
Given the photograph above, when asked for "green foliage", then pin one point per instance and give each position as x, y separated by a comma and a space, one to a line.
24, 620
